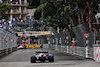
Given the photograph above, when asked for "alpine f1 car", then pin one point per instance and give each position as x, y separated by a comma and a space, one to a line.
21, 47
42, 56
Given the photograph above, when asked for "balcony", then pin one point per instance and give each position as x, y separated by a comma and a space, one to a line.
16, 3
16, 12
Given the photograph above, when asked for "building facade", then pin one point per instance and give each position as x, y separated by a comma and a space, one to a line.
19, 9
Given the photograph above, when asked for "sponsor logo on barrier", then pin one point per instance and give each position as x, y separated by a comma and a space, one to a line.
97, 54
32, 46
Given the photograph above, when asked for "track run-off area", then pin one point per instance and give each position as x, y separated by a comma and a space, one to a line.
21, 58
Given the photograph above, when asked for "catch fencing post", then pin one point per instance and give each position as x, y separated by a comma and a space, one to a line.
67, 43
56, 43
87, 41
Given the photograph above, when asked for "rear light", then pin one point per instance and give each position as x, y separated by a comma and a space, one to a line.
43, 55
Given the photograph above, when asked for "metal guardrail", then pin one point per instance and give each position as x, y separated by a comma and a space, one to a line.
7, 51
8, 42
80, 51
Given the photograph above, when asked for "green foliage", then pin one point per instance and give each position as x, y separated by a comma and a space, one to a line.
39, 11
67, 8
58, 3
34, 3
52, 12
48, 10
4, 7
62, 12
42, 1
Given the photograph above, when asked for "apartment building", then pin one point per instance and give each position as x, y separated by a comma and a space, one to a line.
19, 9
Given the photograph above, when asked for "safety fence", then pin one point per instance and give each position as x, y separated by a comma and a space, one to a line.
8, 42
79, 31
83, 42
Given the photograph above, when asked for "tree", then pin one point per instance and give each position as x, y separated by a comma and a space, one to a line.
34, 3
53, 13
3, 8
83, 9
38, 12
69, 12
43, 1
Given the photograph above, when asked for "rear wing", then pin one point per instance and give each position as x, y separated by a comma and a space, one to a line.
41, 51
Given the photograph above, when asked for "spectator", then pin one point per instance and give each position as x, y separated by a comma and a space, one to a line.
17, 19
16, 2
22, 2
13, 19
21, 19
2, 23
10, 25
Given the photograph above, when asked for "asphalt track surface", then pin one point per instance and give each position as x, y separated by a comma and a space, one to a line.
21, 58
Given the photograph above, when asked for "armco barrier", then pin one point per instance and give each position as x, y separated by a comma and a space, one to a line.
7, 51
90, 52
8, 42
80, 51
64, 48
2, 53
14, 49
52, 46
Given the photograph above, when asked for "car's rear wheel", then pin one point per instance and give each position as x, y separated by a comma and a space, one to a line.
51, 58
33, 59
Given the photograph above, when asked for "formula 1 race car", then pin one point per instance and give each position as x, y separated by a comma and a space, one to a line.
21, 47
42, 56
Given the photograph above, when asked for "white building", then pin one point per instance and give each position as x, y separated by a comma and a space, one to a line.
19, 8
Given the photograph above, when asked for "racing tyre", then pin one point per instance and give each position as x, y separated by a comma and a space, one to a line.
51, 58
33, 59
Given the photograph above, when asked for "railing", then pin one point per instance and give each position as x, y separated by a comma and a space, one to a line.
22, 3
10, 2
16, 11
8, 42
